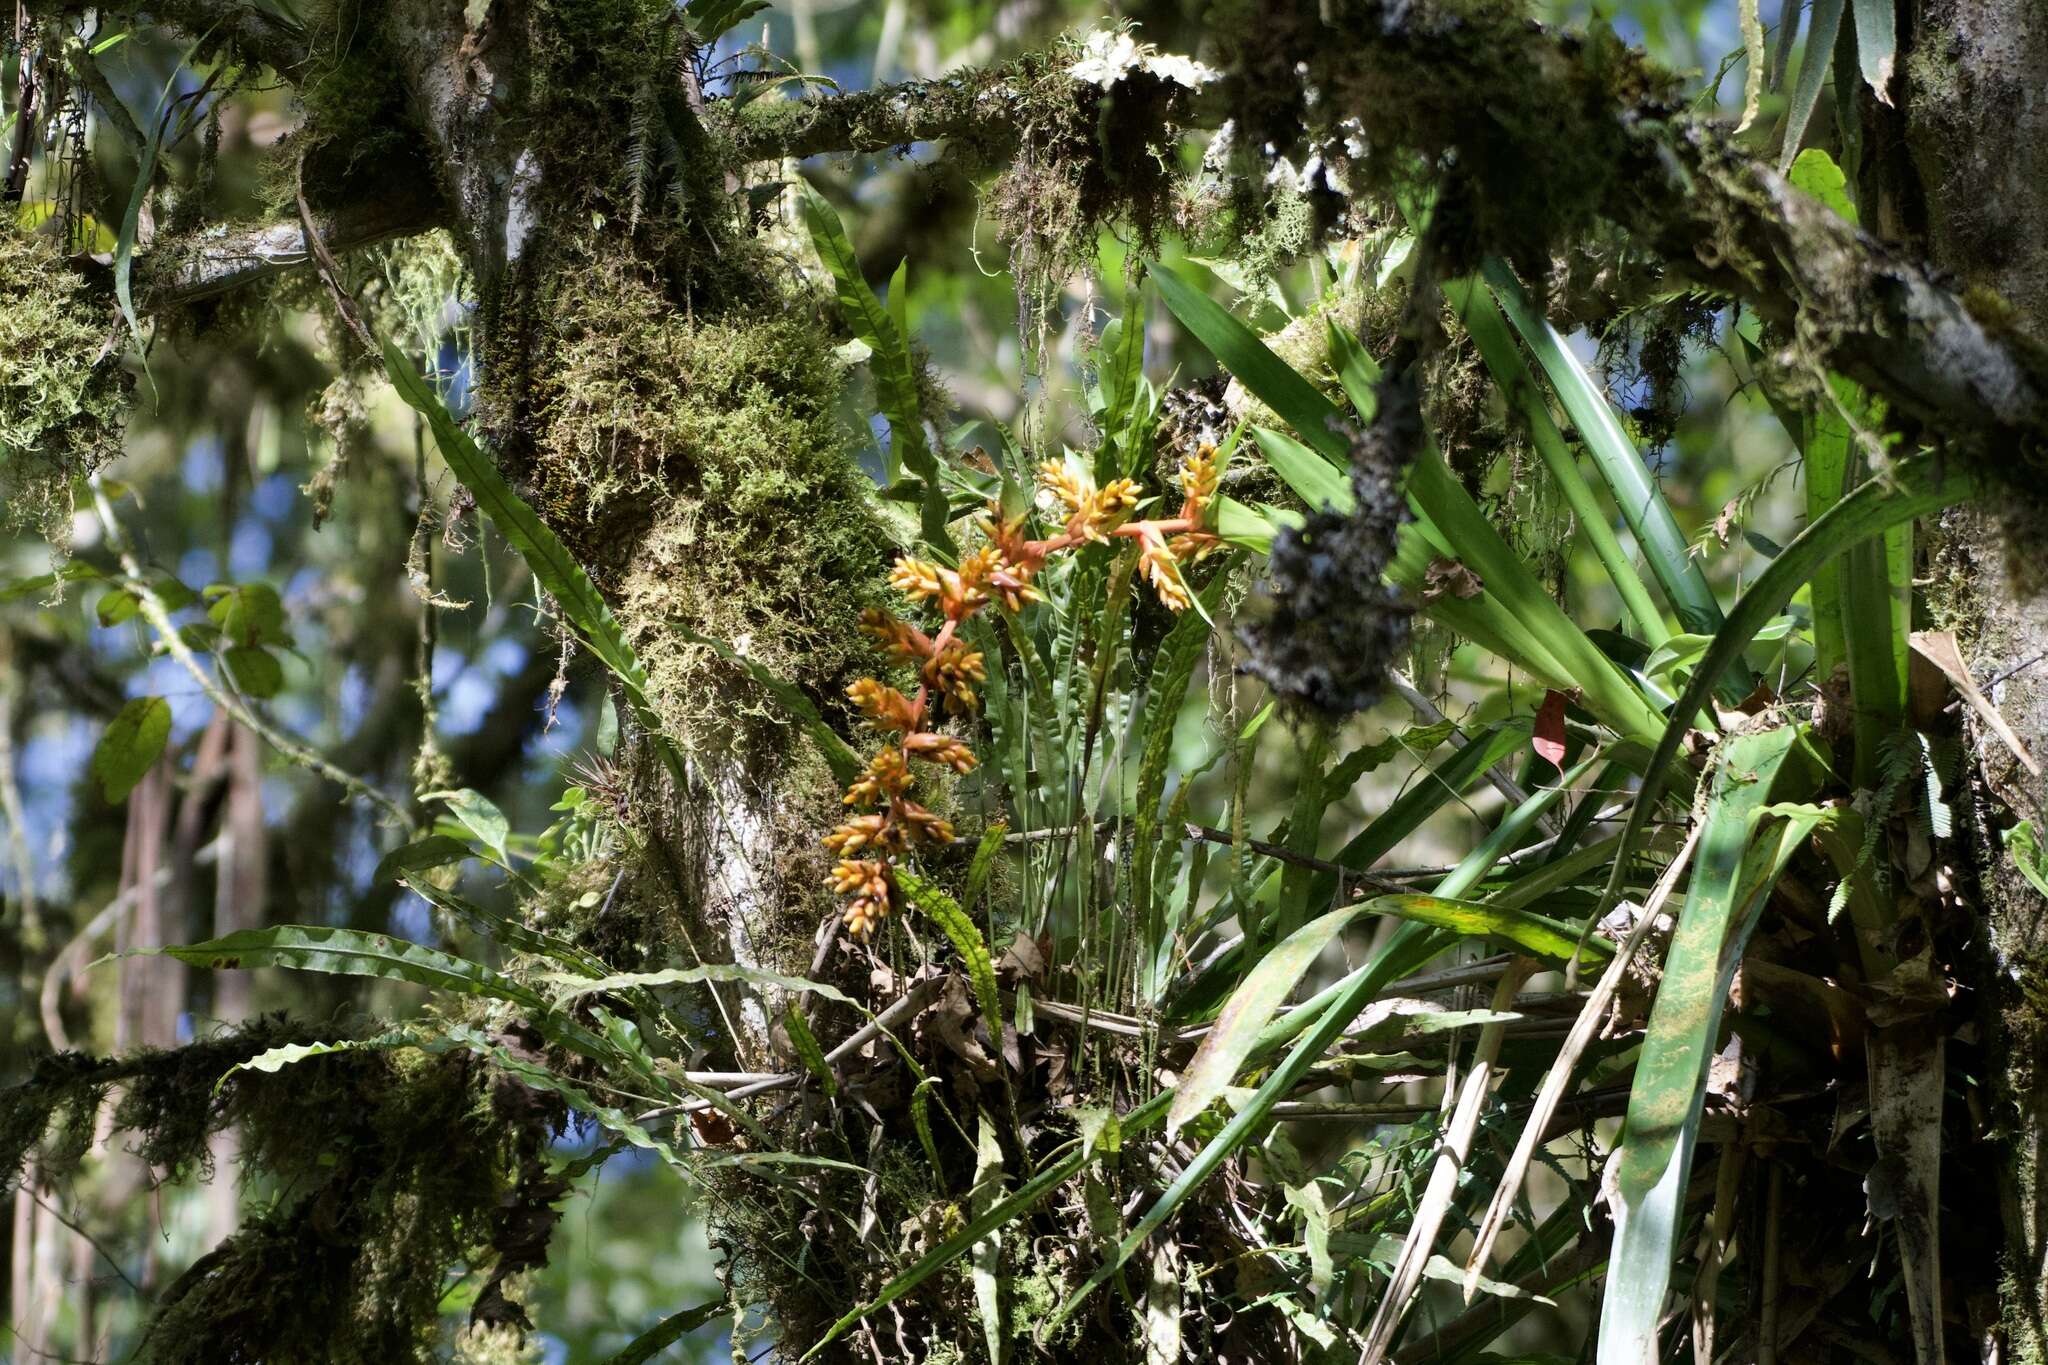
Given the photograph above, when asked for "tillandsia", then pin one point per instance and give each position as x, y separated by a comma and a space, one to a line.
890, 823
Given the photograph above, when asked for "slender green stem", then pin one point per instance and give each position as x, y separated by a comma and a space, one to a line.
159, 618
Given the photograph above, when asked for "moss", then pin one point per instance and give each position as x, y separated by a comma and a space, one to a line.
387, 1167
698, 465
396, 1165
63, 395
1086, 160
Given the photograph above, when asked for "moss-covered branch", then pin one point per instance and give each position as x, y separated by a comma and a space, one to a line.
210, 265
244, 30
1536, 134
983, 106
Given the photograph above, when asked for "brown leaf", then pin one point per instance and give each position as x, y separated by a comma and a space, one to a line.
1937, 648
951, 1019
1449, 576
1549, 733
1023, 961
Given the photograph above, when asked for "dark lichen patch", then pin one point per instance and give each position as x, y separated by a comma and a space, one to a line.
63, 392
1326, 628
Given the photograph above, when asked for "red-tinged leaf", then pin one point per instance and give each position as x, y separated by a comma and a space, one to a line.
1549, 732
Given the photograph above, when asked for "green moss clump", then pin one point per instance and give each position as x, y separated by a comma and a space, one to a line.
699, 466
63, 393
397, 1165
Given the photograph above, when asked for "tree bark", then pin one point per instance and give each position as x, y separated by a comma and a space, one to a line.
1975, 138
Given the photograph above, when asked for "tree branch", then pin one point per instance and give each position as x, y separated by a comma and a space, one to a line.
977, 104
215, 25
1866, 306
1681, 186
208, 266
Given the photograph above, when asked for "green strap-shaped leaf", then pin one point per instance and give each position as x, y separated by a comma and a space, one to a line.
945, 912
1551, 644
277, 1059
808, 1052
1620, 465
1915, 488
668, 1332
985, 854
1477, 919
890, 361
1813, 74
351, 952
1245, 1015
1497, 351
583, 607
1318, 483
1877, 45
421, 855
1275, 383
1669, 1089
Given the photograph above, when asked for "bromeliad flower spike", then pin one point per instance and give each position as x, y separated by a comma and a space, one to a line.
890, 823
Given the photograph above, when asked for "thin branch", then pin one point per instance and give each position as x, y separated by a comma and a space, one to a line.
159, 618
111, 109
137, 1290
203, 267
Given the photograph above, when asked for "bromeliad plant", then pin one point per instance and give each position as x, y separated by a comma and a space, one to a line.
1099, 1063
1001, 571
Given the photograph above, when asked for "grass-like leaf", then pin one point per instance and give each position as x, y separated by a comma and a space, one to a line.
1477, 919
1813, 75
1669, 1091
1250, 1008
1497, 352
1620, 465
583, 607
1915, 488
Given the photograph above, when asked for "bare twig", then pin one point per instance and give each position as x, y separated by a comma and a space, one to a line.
1560, 1075
1452, 1149
324, 263
913, 1000
1496, 776
159, 618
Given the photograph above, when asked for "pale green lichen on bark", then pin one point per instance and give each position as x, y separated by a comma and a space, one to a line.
63, 394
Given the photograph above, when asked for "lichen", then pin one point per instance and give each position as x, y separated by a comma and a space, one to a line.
1326, 629
63, 391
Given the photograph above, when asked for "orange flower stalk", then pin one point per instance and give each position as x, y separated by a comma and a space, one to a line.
1000, 571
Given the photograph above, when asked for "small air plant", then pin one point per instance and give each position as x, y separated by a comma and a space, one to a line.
1002, 570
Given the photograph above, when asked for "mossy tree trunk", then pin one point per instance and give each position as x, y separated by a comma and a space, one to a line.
1968, 175
659, 378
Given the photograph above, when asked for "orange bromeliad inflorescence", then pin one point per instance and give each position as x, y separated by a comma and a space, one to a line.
1000, 571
